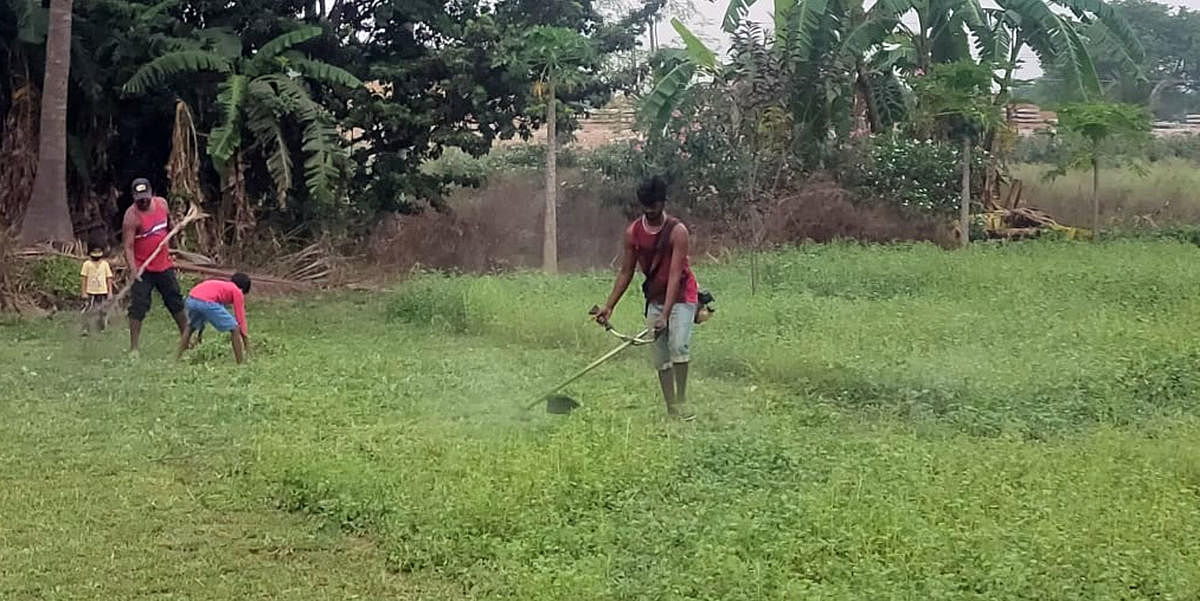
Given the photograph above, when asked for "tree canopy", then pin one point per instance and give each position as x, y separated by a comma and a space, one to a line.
287, 75
1167, 78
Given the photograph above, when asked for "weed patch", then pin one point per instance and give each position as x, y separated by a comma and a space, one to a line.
56, 276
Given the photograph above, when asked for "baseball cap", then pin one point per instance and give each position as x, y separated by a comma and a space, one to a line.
141, 189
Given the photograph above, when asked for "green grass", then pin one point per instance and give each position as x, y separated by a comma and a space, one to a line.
877, 423
1169, 193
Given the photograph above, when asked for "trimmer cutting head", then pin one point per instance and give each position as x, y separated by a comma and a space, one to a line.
560, 404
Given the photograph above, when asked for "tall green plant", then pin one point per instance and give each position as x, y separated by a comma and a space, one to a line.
1098, 125
929, 32
957, 97
259, 93
943, 31
557, 59
683, 68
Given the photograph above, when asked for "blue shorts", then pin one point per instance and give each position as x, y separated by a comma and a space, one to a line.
200, 312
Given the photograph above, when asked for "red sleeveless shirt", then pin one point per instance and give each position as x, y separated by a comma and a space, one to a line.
643, 249
151, 231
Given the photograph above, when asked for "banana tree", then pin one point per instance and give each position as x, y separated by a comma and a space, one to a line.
913, 35
1051, 29
260, 93
1059, 40
824, 53
942, 31
696, 60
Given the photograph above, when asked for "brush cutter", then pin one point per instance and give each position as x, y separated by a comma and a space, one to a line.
561, 404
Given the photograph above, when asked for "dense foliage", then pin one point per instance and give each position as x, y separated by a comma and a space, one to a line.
1100, 131
318, 114
793, 100
436, 75
921, 176
1167, 79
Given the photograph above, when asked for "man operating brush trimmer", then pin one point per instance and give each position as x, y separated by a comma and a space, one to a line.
658, 243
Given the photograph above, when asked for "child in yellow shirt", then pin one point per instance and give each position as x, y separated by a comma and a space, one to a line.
97, 282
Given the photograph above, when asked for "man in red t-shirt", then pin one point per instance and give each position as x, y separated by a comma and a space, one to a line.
658, 244
146, 224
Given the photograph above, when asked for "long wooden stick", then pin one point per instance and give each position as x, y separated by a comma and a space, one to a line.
227, 273
194, 214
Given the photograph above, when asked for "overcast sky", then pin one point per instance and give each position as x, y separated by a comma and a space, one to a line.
705, 21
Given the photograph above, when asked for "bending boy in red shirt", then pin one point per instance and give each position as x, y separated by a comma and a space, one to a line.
207, 303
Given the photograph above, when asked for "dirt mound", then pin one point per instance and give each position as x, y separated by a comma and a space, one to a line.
822, 211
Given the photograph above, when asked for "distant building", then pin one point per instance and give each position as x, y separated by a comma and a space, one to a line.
1029, 119
613, 122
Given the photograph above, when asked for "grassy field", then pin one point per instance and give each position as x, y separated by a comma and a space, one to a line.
1169, 192
877, 423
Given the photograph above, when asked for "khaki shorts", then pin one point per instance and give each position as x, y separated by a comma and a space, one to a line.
673, 346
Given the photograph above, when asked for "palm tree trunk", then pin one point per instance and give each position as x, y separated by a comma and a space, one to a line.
965, 209
550, 242
48, 218
1095, 197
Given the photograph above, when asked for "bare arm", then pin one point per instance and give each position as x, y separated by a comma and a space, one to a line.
128, 233
239, 312
83, 287
624, 276
679, 251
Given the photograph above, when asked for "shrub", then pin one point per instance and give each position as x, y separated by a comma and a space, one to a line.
620, 161
1040, 148
530, 156
918, 176
703, 157
455, 165
56, 276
